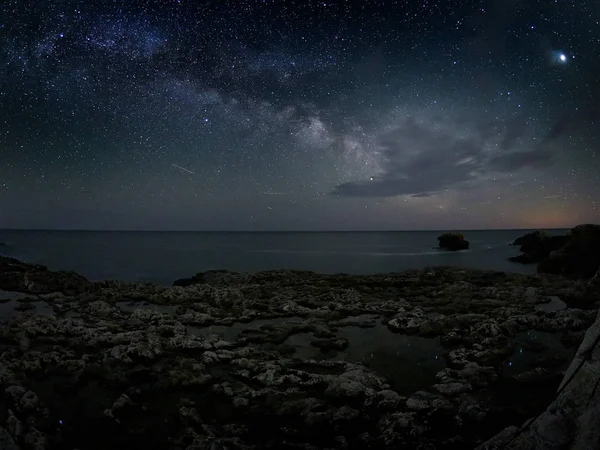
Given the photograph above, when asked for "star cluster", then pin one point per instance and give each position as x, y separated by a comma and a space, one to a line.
271, 115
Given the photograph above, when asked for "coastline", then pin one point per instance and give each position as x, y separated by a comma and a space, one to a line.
434, 358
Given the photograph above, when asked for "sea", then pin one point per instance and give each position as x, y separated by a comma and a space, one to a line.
162, 257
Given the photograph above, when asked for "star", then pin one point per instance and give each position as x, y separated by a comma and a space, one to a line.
272, 104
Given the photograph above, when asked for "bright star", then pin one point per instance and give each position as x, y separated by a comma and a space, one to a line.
558, 57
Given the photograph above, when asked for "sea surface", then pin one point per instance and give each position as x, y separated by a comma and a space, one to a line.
162, 257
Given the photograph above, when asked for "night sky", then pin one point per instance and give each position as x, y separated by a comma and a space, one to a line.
320, 115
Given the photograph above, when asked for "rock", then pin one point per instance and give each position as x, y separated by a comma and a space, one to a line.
537, 246
6, 441
37, 279
426, 401
579, 257
386, 400
452, 389
137, 365
594, 283
453, 241
530, 241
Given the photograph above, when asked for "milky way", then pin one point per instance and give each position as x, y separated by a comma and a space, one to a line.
270, 115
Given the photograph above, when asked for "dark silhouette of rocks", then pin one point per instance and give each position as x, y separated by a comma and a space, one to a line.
579, 256
537, 246
576, 254
453, 241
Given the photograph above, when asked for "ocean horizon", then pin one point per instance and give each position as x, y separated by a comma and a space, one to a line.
164, 256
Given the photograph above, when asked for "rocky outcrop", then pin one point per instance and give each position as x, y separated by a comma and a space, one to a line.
34, 279
437, 358
580, 256
453, 241
530, 240
537, 246
571, 421
576, 254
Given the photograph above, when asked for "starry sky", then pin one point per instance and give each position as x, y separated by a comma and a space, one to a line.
308, 115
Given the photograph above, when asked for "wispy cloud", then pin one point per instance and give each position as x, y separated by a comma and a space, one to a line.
420, 158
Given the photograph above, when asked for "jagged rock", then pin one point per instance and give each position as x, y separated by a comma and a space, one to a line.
453, 241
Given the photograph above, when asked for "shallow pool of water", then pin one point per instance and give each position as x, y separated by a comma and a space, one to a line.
408, 362
537, 349
7, 308
555, 304
232, 332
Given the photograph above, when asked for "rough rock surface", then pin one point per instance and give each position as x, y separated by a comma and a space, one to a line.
282, 359
453, 241
571, 421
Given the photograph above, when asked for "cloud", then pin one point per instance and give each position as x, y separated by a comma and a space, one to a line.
419, 158
516, 160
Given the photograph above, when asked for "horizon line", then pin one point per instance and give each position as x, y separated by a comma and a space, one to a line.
279, 231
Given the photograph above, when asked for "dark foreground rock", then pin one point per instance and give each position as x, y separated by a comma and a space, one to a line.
576, 254
438, 358
537, 246
579, 256
453, 241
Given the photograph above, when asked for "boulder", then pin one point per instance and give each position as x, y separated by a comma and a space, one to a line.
578, 257
453, 241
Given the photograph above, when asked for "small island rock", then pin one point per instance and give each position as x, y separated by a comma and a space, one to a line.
453, 241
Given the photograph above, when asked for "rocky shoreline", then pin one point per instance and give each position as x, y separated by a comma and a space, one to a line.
440, 358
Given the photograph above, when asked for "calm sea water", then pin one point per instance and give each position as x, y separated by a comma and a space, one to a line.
162, 257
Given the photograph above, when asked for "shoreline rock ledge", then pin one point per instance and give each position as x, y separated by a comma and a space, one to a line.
437, 358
